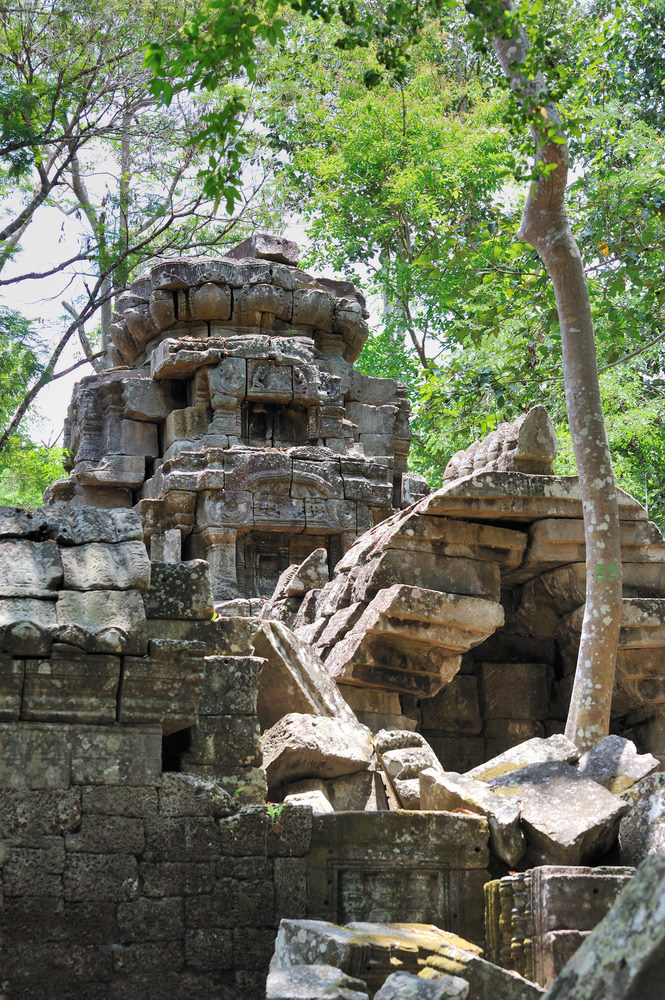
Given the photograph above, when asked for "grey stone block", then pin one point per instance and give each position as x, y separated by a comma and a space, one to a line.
108, 835
151, 920
100, 877
180, 591
116, 756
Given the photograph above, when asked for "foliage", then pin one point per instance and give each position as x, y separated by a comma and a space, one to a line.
26, 469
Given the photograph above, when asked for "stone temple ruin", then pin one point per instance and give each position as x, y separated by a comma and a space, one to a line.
276, 719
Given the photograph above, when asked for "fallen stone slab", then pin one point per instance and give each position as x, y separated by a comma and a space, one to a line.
642, 829
406, 986
313, 982
314, 797
409, 639
486, 981
567, 818
446, 790
309, 746
624, 956
293, 678
367, 951
616, 764
534, 751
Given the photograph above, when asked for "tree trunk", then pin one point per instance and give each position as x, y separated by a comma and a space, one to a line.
545, 227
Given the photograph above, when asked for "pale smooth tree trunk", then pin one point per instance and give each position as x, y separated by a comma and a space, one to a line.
545, 227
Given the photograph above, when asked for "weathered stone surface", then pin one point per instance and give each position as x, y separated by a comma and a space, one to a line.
27, 626
567, 818
535, 920
293, 679
99, 566
116, 756
624, 957
535, 751
29, 569
528, 444
164, 687
12, 673
642, 829
498, 683
179, 590
449, 791
616, 764
102, 621
306, 746
71, 686
484, 979
313, 982
427, 866
515, 496
406, 986
368, 951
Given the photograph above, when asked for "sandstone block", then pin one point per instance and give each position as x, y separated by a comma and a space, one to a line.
179, 590
406, 986
27, 626
534, 751
515, 496
567, 818
35, 756
316, 799
642, 829
230, 685
102, 621
71, 686
484, 979
29, 569
306, 746
99, 566
469, 577
616, 764
623, 957
448, 791
78, 525
294, 679
163, 688
113, 470
314, 982
118, 756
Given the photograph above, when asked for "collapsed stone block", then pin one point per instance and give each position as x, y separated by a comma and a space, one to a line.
293, 679
534, 751
642, 829
567, 818
449, 791
616, 764
305, 746
366, 951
